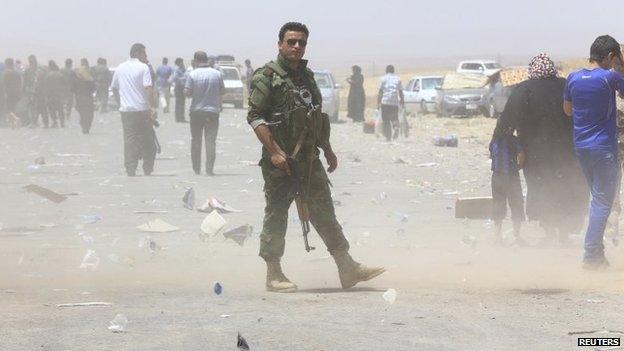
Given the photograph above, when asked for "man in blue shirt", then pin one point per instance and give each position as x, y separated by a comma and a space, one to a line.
589, 97
163, 83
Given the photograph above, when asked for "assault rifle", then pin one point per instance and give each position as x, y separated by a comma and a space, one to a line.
300, 201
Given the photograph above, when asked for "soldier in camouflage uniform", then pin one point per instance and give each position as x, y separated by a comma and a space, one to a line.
284, 111
33, 90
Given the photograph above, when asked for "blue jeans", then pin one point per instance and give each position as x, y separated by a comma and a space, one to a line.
602, 170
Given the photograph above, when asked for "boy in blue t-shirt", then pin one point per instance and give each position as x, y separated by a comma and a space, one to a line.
507, 160
589, 98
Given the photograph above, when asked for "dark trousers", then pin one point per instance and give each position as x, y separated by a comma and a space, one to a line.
180, 100
55, 107
506, 188
602, 170
206, 124
102, 97
68, 103
390, 118
139, 141
85, 107
37, 107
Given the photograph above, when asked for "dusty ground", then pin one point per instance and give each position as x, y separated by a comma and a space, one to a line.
456, 290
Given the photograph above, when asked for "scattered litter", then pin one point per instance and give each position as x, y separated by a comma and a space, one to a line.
218, 289
470, 240
150, 244
84, 304
157, 226
40, 161
33, 167
91, 219
595, 301
87, 239
404, 218
189, 198
337, 203
390, 296
90, 261
427, 164
118, 324
74, 155
150, 212
213, 223
241, 343
239, 234
399, 160
449, 140
46, 193
113, 258
47, 225
225, 316
215, 204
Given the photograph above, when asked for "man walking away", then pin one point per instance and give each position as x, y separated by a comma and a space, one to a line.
68, 93
33, 91
163, 83
205, 85
388, 100
102, 77
589, 98
84, 87
179, 81
53, 88
133, 89
12, 84
249, 71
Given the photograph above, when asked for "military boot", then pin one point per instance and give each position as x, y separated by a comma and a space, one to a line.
351, 272
276, 281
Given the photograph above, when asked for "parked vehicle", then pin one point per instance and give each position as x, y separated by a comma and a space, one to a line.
501, 85
462, 94
486, 67
420, 93
233, 85
330, 90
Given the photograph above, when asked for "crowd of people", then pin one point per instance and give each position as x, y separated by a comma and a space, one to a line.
560, 131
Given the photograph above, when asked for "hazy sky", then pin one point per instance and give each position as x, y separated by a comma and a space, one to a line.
342, 32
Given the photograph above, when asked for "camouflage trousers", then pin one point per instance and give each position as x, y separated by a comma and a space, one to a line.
278, 190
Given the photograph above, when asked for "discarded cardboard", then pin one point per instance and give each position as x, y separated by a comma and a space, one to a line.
46, 193
157, 226
239, 234
189, 198
213, 223
474, 207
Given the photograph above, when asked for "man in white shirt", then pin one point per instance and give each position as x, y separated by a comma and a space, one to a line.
388, 100
205, 86
133, 89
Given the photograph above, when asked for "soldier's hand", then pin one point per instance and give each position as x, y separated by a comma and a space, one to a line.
332, 161
279, 160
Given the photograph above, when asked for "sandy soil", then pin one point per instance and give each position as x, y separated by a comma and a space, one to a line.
456, 290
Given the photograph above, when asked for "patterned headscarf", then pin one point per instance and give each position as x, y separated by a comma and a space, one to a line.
542, 66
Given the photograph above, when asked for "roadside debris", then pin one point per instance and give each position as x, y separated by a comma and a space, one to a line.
40, 161
213, 223
218, 289
150, 244
241, 343
189, 198
427, 164
90, 261
390, 296
215, 204
46, 193
239, 234
157, 226
118, 324
399, 160
91, 219
150, 212
448, 141
85, 304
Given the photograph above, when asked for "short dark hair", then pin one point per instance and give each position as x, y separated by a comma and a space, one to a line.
200, 57
295, 27
52, 65
602, 47
84, 62
179, 61
69, 62
9, 62
101, 61
136, 49
389, 69
165, 60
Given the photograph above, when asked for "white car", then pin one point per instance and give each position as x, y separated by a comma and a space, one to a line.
420, 93
330, 91
233, 86
486, 67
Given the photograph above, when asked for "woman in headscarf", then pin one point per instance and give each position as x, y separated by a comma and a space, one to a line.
84, 86
357, 97
557, 194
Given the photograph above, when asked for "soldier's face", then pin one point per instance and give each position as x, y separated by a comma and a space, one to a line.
293, 46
